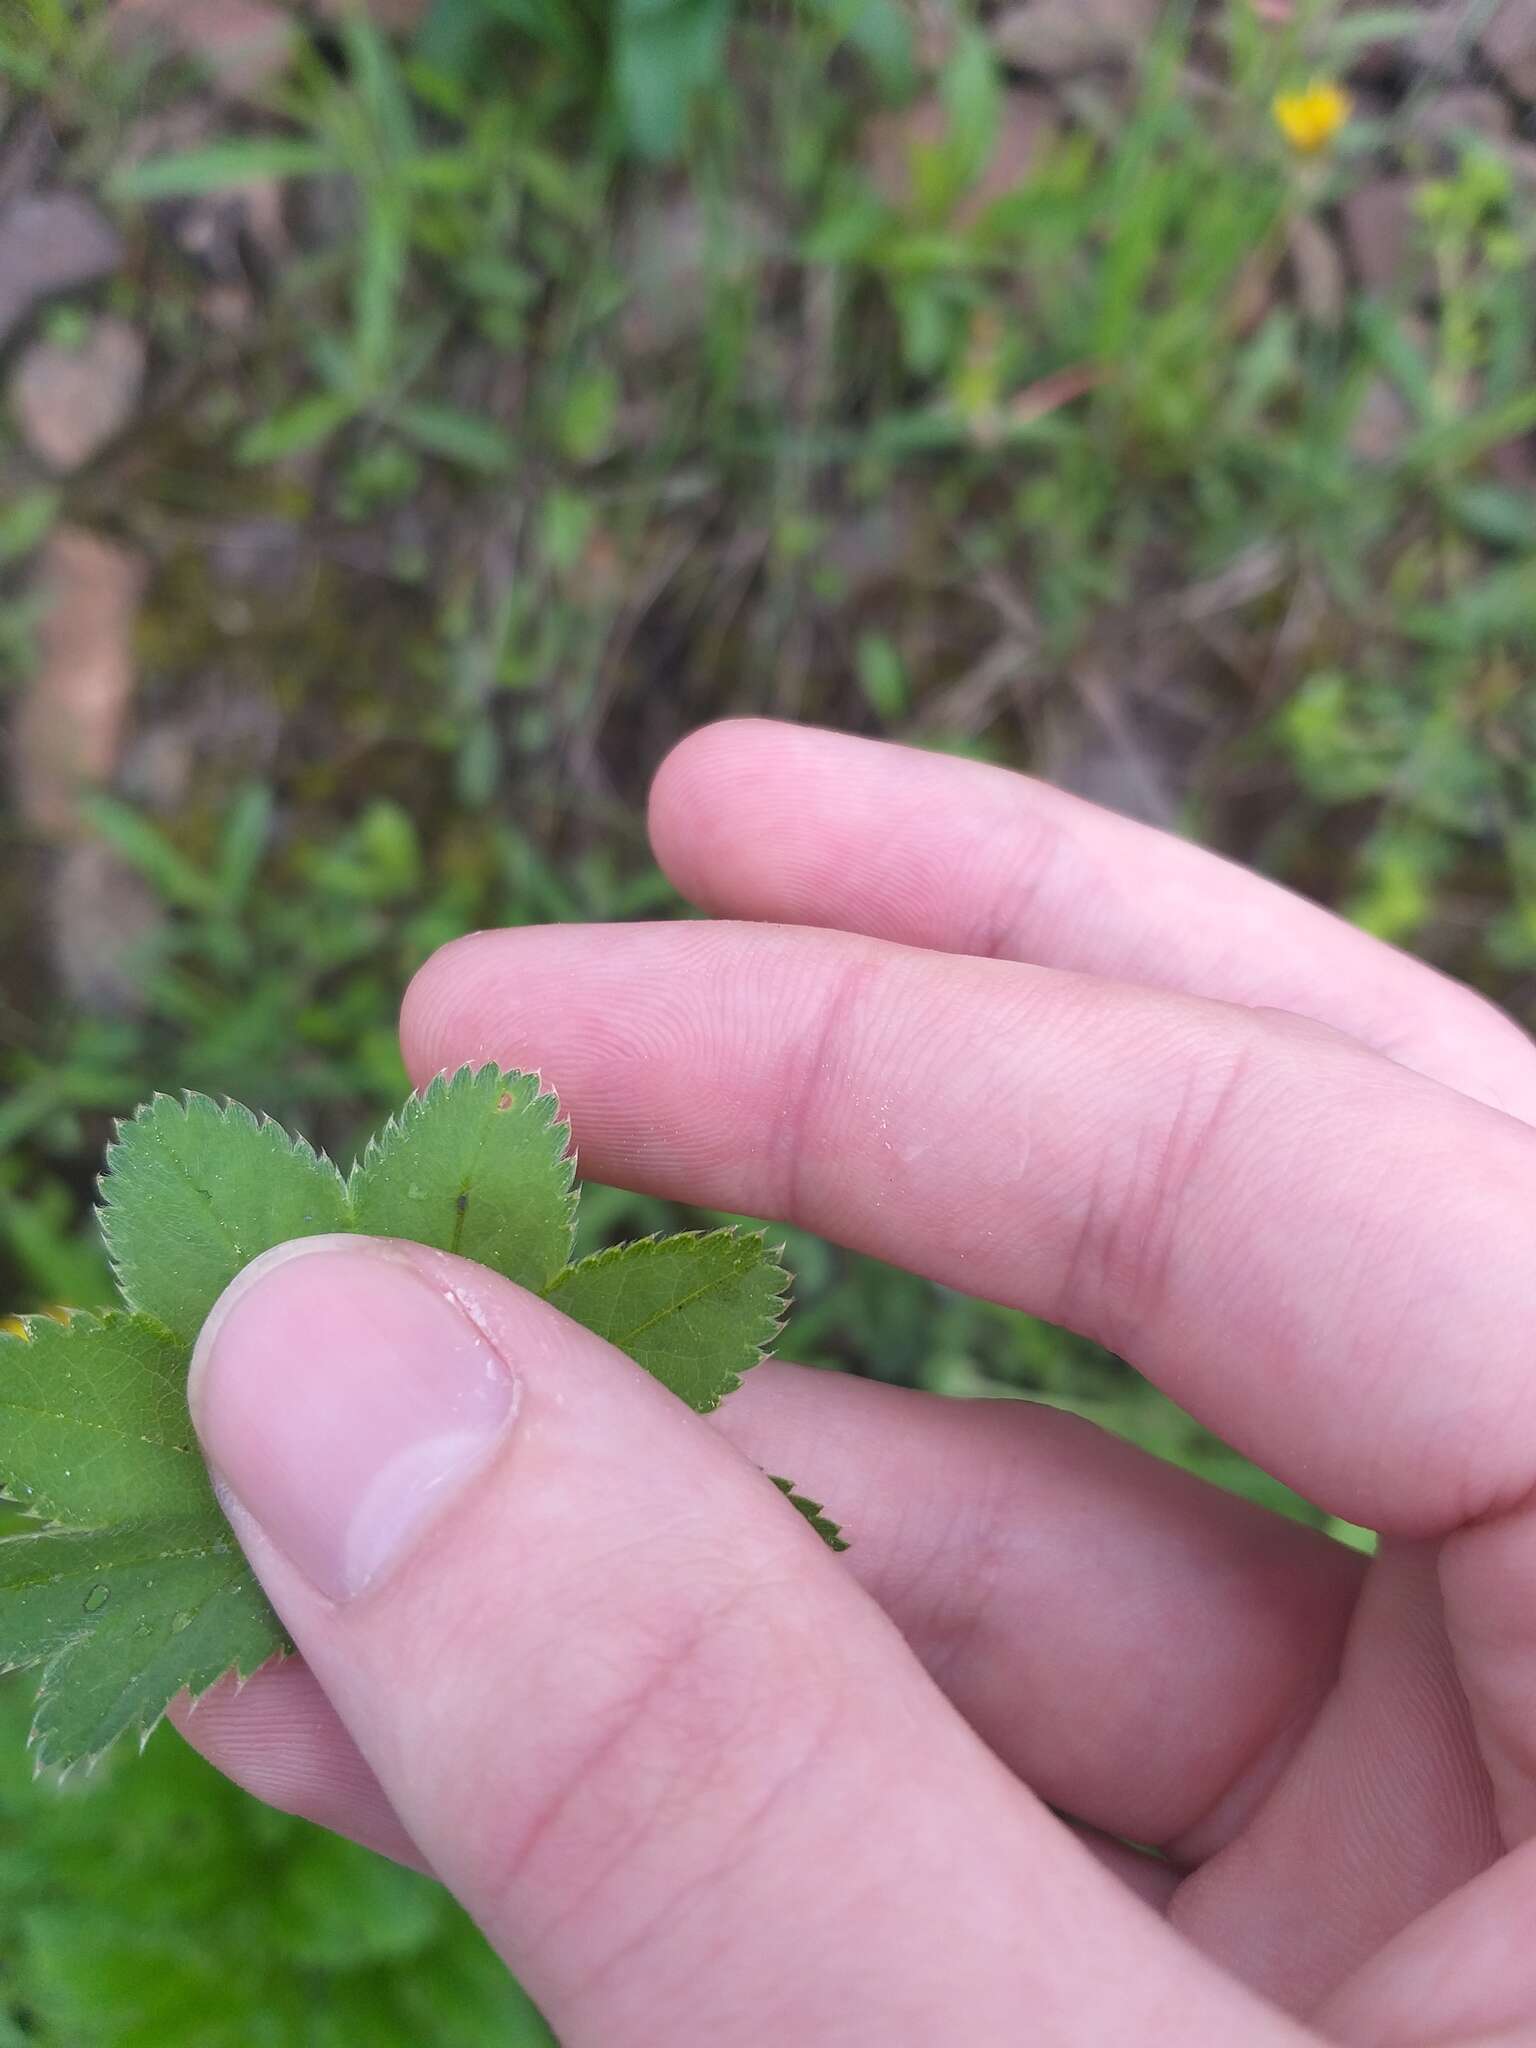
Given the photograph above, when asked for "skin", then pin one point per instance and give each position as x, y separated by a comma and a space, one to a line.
698, 1779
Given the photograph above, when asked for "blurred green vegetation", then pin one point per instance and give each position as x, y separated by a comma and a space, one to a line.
530, 389
151, 1903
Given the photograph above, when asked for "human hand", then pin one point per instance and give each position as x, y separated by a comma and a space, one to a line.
701, 1781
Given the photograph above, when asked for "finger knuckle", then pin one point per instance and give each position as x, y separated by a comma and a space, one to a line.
691, 1730
1134, 1222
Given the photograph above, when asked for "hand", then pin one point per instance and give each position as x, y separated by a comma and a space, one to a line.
700, 1780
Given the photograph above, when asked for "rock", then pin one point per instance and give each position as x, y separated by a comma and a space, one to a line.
51, 242
69, 403
1060, 38
1444, 41
29, 149
69, 726
241, 44
1464, 110
101, 915
1509, 44
1384, 239
1027, 126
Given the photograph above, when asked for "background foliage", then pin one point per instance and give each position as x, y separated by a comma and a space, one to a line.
530, 380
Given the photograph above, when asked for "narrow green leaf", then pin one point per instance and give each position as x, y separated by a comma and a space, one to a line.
477, 1165
380, 87
828, 1530
246, 161
141, 843
697, 1310
462, 437
383, 257
196, 1189
304, 424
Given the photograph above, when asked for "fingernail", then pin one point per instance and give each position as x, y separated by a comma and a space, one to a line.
345, 1399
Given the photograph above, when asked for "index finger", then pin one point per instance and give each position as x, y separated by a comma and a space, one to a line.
1325, 1257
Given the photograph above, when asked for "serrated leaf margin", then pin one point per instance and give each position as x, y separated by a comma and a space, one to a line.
778, 1301
420, 1100
830, 1532
47, 1525
228, 1111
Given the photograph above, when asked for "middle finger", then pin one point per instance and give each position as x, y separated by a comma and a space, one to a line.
1324, 1257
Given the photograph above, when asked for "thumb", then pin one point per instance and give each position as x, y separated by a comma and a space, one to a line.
687, 1777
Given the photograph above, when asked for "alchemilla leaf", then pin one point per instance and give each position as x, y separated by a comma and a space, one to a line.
132, 1588
479, 1164
826, 1529
194, 1190
136, 1588
124, 1619
697, 1310
94, 1422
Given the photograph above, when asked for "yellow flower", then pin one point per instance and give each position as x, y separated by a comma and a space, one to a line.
1310, 119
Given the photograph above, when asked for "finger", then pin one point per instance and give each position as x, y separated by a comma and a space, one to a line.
1029, 1560
1385, 1806
756, 820
280, 1739
1324, 1257
673, 1760
1463, 1976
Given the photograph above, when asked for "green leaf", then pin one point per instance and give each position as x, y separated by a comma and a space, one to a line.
304, 424
462, 437
664, 53
972, 96
169, 871
25, 521
478, 1165
95, 1422
138, 1590
246, 161
124, 1619
587, 415
697, 1310
829, 1531
194, 1190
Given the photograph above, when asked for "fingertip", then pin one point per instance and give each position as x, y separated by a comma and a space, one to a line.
250, 1277
441, 1004
695, 794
